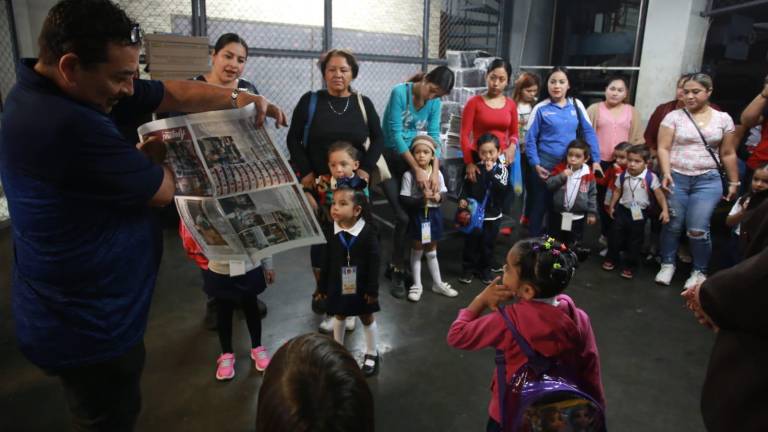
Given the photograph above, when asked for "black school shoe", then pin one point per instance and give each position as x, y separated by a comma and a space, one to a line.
370, 365
398, 285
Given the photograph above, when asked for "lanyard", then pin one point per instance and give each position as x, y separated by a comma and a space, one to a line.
575, 191
633, 189
347, 246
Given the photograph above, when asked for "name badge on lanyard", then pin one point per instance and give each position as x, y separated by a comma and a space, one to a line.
426, 229
348, 272
637, 212
567, 221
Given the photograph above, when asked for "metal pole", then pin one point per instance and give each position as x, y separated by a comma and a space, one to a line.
639, 36
328, 26
203, 19
195, 18
504, 29
425, 40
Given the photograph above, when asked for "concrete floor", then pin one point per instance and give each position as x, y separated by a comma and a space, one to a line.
653, 354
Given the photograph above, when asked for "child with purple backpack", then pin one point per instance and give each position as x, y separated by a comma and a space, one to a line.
542, 322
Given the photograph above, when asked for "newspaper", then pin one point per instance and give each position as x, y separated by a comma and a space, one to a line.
235, 192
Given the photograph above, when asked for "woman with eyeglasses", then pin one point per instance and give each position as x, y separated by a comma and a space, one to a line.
690, 174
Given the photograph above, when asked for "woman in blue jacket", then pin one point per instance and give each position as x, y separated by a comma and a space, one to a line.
413, 109
554, 123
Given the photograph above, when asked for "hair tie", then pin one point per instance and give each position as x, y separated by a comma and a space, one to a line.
555, 252
556, 266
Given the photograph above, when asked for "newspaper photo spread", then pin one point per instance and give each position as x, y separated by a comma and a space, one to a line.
235, 192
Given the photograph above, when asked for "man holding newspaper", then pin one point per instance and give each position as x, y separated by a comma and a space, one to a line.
87, 252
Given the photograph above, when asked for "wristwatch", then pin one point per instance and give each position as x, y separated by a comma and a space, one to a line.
235, 94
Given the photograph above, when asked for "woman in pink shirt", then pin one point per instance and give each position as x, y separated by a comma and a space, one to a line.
493, 113
615, 121
536, 272
690, 174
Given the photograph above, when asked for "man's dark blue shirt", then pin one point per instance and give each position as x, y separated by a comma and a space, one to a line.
86, 249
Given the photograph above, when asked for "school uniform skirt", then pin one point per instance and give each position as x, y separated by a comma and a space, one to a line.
435, 218
236, 288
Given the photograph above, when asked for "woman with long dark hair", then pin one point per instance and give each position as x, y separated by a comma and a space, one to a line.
413, 109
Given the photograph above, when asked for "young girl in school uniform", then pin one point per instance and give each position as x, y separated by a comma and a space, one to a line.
739, 212
349, 278
536, 273
425, 221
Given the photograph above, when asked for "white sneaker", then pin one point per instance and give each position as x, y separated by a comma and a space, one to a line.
445, 289
327, 325
350, 323
694, 279
414, 293
603, 240
664, 276
604, 252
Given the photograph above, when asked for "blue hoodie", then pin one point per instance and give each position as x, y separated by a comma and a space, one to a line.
552, 128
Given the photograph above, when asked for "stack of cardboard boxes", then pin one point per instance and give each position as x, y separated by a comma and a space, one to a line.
176, 57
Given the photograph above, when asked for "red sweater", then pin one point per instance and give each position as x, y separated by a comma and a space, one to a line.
563, 331
478, 118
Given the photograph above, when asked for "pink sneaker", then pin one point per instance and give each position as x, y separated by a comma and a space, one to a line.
226, 367
260, 358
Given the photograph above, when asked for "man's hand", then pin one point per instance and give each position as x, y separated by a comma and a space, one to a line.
264, 109
363, 174
154, 148
542, 172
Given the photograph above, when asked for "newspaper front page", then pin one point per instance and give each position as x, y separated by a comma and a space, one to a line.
235, 191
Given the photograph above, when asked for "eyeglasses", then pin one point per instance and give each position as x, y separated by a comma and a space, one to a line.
136, 34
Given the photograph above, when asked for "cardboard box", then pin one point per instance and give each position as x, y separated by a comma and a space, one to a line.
176, 53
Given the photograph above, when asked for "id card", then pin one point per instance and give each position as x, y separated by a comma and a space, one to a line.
349, 280
236, 267
426, 233
567, 221
637, 212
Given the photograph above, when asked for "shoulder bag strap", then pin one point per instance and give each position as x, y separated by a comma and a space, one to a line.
367, 143
580, 126
704, 140
310, 115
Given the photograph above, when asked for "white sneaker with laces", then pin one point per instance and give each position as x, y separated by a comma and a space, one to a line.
694, 279
414, 293
327, 325
445, 289
349, 322
604, 252
664, 276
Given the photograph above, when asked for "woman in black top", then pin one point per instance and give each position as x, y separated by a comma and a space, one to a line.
227, 64
337, 117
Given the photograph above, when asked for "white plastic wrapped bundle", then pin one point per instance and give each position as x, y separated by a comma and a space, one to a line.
470, 77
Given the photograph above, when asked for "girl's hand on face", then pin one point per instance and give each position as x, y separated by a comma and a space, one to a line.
488, 165
493, 294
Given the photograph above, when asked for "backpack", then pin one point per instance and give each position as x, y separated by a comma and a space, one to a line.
653, 209
538, 395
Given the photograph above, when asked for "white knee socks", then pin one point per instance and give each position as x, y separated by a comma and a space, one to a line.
338, 330
416, 265
371, 333
434, 267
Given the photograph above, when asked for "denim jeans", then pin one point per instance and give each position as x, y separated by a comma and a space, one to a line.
691, 205
540, 196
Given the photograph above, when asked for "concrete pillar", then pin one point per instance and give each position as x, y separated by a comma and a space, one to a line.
675, 34
29, 16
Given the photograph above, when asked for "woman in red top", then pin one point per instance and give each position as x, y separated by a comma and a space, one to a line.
493, 113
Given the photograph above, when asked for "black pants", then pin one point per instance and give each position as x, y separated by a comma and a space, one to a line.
605, 220
478, 248
391, 188
105, 396
226, 310
572, 237
626, 235
493, 426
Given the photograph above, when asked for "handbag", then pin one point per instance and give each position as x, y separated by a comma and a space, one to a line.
381, 164
720, 167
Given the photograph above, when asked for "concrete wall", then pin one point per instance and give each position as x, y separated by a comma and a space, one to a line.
29, 16
531, 32
675, 34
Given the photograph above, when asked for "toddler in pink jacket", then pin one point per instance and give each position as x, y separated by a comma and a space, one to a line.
536, 274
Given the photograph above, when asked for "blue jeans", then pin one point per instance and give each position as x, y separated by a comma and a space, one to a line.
540, 198
691, 204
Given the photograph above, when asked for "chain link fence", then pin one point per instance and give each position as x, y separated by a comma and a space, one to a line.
7, 79
469, 25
